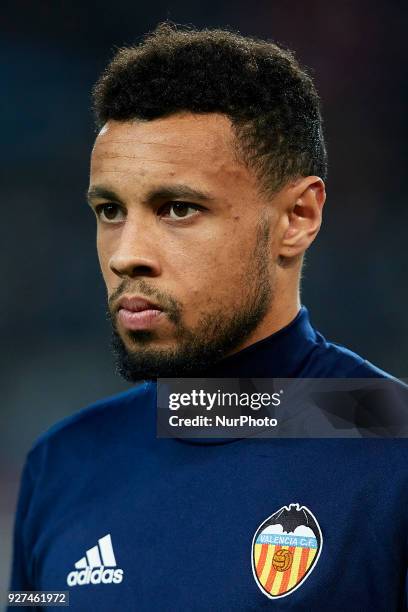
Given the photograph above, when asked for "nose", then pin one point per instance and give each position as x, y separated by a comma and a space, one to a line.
135, 254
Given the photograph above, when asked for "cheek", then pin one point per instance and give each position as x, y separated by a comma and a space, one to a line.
104, 250
216, 273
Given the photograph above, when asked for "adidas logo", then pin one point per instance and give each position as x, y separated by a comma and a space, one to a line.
97, 567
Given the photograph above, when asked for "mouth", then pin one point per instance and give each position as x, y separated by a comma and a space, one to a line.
135, 313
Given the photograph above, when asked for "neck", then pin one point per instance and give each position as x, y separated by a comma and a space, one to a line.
280, 314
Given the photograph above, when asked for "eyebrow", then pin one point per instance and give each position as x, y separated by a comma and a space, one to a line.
100, 192
162, 192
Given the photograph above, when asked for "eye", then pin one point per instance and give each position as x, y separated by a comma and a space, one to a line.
180, 210
109, 213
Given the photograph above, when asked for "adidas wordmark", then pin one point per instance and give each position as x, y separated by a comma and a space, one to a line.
97, 567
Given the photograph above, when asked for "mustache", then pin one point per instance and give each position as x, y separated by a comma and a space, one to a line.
166, 302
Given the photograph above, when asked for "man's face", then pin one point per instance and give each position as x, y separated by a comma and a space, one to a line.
185, 241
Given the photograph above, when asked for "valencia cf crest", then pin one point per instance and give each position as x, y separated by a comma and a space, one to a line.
285, 549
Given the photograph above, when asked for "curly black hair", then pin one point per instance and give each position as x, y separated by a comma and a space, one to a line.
270, 100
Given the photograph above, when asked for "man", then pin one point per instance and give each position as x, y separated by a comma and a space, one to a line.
207, 181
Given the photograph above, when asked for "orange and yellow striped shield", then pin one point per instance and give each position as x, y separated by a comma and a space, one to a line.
285, 549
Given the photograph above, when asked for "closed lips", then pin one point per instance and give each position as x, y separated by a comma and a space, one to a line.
138, 314
137, 304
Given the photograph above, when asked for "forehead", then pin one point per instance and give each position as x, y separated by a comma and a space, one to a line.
199, 147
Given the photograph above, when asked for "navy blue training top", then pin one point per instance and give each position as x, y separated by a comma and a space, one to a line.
127, 522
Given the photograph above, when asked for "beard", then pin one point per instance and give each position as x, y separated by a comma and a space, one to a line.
215, 335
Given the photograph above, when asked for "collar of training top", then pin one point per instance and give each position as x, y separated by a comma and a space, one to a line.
280, 355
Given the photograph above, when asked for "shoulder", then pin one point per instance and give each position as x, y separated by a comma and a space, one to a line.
333, 360
96, 421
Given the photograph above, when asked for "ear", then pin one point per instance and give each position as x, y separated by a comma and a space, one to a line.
303, 215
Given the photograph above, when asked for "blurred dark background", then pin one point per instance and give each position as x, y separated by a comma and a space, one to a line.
54, 337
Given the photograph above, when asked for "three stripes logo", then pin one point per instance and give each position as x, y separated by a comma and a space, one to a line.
98, 566
285, 549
